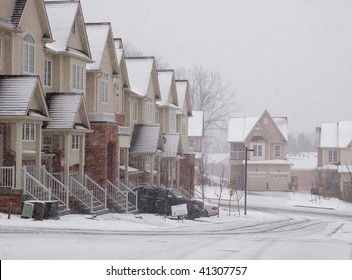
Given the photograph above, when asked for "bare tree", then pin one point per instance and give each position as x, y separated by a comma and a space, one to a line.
238, 195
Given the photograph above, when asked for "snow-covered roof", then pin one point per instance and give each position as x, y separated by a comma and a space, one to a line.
171, 145
335, 135
97, 36
17, 12
303, 161
240, 127
139, 72
195, 124
183, 95
16, 93
61, 16
145, 138
166, 78
63, 110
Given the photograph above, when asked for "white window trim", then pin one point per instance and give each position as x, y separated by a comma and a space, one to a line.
28, 132
28, 55
258, 152
48, 75
332, 156
104, 89
134, 109
279, 150
77, 77
149, 111
75, 142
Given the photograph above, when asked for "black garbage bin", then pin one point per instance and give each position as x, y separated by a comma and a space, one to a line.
51, 210
39, 208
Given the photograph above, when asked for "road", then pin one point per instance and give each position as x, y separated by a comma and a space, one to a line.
282, 234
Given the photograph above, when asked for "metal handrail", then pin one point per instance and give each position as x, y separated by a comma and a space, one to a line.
99, 193
34, 187
59, 190
81, 193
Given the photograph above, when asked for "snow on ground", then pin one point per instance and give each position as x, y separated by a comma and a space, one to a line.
152, 222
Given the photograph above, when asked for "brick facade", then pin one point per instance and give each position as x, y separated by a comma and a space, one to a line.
187, 169
101, 152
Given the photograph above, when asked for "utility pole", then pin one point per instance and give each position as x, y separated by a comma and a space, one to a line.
245, 179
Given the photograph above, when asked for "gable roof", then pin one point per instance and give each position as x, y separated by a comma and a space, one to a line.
240, 127
16, 94
100, 36
167, 88
183, 96
140, 72
146, 139
17, 13
195, 124
121, 61
62, 25
335, 135
64, 109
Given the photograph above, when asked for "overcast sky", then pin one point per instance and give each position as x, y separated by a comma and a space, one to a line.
291, 57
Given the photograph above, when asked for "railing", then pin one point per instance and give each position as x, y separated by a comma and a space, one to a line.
101, 117
7, 176
59, 190
131, 186
34, 187
98, 192
81, 193
124, 130
239, 155
118, 196
183, 191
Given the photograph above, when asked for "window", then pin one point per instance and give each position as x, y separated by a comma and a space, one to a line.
134, 110
28, 132
149, 111
47, 143
277, 151
333, 156
191, 143
172, 120
104, 89
258, 150
77, 79
147, 163
28, 54
47, 72
237, 151
157, 117
75, 142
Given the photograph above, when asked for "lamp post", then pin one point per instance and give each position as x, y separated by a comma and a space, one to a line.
245, 179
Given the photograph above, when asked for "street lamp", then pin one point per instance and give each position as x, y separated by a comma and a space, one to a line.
245, 179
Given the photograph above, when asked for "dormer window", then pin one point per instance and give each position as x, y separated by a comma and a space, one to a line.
28, 54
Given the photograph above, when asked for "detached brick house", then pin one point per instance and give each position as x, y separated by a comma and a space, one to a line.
268, 168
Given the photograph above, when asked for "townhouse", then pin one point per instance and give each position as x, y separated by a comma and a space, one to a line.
268, 168
334, 169
79, 122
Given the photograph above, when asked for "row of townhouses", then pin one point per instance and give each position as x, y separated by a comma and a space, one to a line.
80, 122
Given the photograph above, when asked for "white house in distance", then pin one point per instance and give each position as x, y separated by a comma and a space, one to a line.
268, 168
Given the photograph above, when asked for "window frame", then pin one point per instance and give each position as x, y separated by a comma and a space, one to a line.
77, 76
258, 150
75, 143
332, 156
104, 88
28, 132
28, 59
149, 111
134, 109
48, 74
277, 151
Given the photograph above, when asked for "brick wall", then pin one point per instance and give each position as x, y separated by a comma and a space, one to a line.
187, 170
101, 152
15, 197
